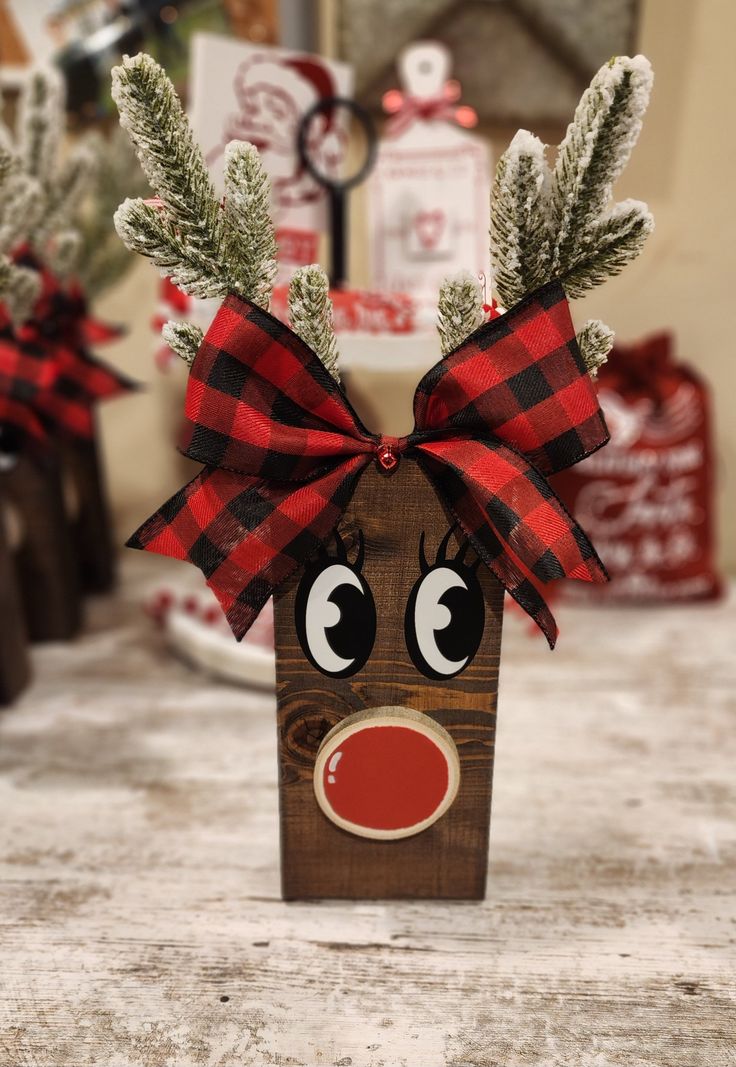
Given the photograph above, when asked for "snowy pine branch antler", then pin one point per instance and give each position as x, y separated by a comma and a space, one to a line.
40, 123
19, 286
152, 116
63, 252
560, 224
250, 241
43, 191
595, 341
460, 310
594, 152
103, 258
310, 314
206, 249
149, 230
21, 208
557, 225
521, 233
613, 241
184, 338
20, 293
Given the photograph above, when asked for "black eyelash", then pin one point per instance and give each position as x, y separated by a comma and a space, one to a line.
358, 565
441, 556
341, 552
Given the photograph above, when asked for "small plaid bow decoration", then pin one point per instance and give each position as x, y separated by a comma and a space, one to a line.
48, 379
283, 451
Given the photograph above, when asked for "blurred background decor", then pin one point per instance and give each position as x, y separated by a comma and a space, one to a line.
50, 382
649, 500
85, 38
523, 62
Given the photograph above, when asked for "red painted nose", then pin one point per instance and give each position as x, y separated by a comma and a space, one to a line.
386, 773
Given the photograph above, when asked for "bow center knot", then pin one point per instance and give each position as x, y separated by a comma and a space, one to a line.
388, 453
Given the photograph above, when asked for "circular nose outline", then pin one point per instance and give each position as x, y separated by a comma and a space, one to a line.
390, 715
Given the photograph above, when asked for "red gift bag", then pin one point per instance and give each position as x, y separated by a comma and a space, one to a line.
646, 501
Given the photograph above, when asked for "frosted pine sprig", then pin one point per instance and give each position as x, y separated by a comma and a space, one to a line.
42, 193
594, 152
20, 210
19, 286
460, 310
64, 252
595, 341
6, 269
207, 248
40, 123
21, 205
20, 291
250, 243
146, 229
184, 338
310, 314
561, 224
611, 243
154, 119
64, 194
103, 257
521, 236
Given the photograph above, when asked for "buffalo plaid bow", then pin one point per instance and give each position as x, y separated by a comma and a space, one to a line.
283, 451
48, 379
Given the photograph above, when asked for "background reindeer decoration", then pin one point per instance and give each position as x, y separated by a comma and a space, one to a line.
51, 235
388, 557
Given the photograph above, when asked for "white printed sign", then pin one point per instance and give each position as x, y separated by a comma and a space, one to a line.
429, 192
259, 93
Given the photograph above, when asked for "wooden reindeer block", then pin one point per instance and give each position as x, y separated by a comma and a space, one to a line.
15, 667
387, 556
46, 564
383, 528
90, 522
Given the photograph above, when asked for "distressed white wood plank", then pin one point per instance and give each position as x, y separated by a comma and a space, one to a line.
139, 888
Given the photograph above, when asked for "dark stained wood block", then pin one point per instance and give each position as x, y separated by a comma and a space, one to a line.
450, 858
90, 524
45, 559
15, 664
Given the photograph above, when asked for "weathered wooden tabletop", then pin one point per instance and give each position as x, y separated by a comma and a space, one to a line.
139, 901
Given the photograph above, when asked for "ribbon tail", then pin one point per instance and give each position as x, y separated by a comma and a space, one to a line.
95, 379
247, 535
513, 519
96, 332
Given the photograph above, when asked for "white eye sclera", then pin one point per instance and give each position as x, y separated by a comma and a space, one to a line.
431, 616
335, 618
323, 614
445, 616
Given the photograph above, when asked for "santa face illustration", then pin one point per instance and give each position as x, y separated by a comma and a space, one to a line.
273, 95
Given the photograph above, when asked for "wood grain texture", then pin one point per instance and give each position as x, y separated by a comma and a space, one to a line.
91, 526
450, 858
141, 922
15, 664
45, 559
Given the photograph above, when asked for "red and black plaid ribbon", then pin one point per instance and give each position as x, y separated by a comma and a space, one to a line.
48, 379
283, 451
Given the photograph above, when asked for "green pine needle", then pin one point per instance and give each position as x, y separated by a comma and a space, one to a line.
310, 314
520, 226
460, 310
184, 338
595, 341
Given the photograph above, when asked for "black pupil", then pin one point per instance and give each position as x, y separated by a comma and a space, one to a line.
347, 637
460, 637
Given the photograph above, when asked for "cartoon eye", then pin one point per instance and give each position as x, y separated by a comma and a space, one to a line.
335, 613
445, 614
